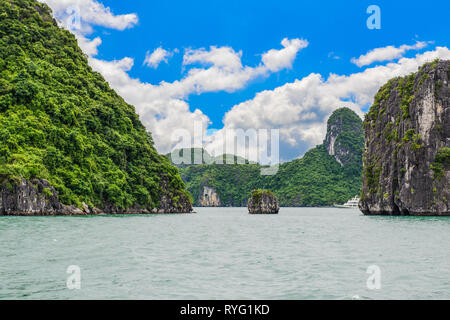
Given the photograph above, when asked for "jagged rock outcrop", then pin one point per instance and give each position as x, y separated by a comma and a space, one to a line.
209, 197
344, 136
39, 198
263, 202
407, 148
173, 202
36, 197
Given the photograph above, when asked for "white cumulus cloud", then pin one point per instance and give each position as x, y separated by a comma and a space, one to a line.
388, 53
91, 12
300, 109
79, 16
222, 57
89, 47
156, 57
163, 107
276, 60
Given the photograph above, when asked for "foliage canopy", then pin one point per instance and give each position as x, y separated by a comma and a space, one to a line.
60, 121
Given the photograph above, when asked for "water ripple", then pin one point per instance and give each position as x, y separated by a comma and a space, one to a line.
225, 253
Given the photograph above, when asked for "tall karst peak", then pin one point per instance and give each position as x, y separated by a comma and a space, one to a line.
407, 151
344, 137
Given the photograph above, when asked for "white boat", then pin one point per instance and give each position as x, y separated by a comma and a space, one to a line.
352, 203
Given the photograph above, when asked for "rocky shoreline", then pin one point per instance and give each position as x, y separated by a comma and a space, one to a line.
38, 198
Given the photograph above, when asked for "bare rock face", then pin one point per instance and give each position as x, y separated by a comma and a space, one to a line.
173, 202
263, 202
209, 197
177, 204
170, 202
32, 198
407, 148
38, 198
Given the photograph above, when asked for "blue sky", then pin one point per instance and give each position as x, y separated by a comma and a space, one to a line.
257, 26
335, 31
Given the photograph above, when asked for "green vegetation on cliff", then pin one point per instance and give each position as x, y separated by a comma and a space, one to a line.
60, 121
317, 179
407, 154
441, 162
346, 126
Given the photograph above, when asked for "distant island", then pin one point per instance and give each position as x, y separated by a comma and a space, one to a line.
263, 202
327, 174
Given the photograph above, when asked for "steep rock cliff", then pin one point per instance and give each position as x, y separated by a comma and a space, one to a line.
209, 197
407, 148
35, 197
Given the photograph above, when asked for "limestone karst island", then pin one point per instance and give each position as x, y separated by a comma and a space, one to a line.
407, 145
263, 202
71, 145
244, 151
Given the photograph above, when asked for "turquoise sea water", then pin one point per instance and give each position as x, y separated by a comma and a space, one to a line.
225, 253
